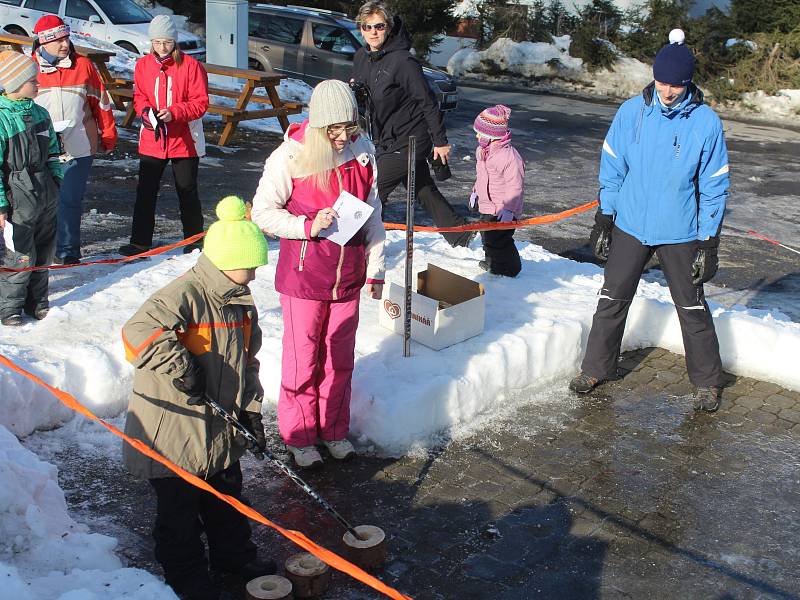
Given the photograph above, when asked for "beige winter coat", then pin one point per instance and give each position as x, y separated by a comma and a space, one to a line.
201, 316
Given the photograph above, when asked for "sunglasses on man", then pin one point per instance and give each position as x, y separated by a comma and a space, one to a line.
375, 26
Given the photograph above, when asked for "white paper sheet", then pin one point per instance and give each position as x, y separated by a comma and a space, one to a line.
151, 114
352, 214
60, 126
8, 236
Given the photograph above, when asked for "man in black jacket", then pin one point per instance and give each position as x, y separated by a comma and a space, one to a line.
402, 105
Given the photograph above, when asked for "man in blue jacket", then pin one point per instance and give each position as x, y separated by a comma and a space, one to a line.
663, 188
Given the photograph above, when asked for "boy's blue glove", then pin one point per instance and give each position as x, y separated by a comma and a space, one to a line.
505, 216
473, 201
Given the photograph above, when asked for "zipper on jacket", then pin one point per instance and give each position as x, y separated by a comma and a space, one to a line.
335, 294
303, 247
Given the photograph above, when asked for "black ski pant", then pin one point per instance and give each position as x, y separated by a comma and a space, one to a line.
34, 225
627, 259
393, 170
151, 170
502, 256
184, 512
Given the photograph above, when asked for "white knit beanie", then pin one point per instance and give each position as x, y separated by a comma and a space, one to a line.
162, 27
332, 101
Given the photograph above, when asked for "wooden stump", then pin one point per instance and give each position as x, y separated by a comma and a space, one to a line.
269, 587
369, 552
309, 575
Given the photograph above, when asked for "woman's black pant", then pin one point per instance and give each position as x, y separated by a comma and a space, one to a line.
144, 213
393, 170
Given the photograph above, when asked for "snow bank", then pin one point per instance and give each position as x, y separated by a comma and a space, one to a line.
44, 553
536, 328
786, 104
529, 59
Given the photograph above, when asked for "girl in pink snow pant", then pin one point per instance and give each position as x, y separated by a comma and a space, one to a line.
319, 338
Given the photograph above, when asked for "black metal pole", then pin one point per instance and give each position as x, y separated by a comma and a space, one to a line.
261, 455
411, 194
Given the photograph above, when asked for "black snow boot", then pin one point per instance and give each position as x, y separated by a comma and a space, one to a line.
201, 589
583, 384
707, 398
12, 321
245, 573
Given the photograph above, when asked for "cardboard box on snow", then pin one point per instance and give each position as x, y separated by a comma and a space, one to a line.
445, 309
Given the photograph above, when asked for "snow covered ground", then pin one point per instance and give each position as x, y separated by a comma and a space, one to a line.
536, 326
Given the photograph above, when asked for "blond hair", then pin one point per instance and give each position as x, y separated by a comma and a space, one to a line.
374, 7
316, 159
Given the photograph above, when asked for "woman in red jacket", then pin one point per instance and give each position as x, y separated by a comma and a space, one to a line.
170, 95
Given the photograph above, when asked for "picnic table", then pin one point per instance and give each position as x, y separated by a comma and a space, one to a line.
231, 115
121, 89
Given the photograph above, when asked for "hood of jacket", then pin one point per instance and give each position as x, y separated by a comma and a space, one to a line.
693, 99
218, 284
23, 106
398, 40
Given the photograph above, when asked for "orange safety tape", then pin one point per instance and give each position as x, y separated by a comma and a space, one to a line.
551, 218
540, 220
330, 558
111, 261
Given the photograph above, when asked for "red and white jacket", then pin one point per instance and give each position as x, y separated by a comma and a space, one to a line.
73, 91
184, 90
284, 206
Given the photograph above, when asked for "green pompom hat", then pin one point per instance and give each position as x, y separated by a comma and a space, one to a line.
233, 242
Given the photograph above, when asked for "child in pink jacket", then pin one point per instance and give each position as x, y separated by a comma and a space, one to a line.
498, 190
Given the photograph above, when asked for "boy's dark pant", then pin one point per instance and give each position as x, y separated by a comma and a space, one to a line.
502, 256
34, 225
184, 513
144, 212
626, 261
393, 170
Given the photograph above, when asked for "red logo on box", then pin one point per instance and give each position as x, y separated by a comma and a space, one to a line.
392, 309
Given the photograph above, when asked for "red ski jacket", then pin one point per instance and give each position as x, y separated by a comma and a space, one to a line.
181, 88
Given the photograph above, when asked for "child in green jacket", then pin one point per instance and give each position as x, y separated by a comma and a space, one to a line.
31, 175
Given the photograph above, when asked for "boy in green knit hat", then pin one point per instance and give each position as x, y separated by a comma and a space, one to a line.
31, 176
198, 337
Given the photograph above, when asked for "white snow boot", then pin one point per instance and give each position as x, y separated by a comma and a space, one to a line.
307, 457
340, 449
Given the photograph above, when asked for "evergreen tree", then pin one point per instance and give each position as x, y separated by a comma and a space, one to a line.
426, 21
767, 16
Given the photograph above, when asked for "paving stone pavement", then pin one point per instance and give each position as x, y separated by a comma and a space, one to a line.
624, 493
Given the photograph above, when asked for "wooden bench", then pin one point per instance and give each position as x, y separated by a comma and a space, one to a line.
231, 115
121, 90
100, 58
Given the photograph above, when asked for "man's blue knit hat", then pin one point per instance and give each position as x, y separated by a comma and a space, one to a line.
674, 63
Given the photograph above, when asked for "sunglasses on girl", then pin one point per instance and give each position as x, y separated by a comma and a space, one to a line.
349, 129
375, 26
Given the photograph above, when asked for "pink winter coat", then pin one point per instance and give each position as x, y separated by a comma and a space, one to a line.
500, 179
285, 206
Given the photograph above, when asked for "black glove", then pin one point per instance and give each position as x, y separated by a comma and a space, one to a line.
146, 118
600, 238
706, 262
252, 422
193, 384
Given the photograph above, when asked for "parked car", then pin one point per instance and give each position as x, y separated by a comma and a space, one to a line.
120, 22
313, 44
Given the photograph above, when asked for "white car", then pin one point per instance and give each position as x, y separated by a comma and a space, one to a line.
120, 22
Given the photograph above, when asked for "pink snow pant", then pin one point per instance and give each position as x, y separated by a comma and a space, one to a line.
319, 339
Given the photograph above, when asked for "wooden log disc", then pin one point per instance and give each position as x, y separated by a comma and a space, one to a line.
368, 552
309, 575
269, 587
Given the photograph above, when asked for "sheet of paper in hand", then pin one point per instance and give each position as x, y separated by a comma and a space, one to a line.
61, 126
353, 213
8, 236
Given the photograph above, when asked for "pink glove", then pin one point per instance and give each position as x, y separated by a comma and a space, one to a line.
473, 201
505, 216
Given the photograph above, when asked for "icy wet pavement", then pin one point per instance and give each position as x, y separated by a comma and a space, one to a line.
626, 493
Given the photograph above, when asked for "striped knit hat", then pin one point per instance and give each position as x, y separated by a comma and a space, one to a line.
50, 28
15, 70
492, 123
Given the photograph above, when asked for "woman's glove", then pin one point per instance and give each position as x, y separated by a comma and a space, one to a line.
600, 238
505, 216
193, 384
706, 262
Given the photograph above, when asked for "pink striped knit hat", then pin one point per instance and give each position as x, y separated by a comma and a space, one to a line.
492, 123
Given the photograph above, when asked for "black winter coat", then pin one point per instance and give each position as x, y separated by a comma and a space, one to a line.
401, 102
